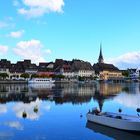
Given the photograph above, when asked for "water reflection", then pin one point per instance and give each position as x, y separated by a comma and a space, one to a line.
111, 132
20, 107
14, 124
60, 93
59, 107
29, 96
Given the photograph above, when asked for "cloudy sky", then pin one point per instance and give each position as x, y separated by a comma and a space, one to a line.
43, 30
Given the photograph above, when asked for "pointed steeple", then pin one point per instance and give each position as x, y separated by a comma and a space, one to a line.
100, 59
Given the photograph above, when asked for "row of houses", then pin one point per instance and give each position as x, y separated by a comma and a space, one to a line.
69, 69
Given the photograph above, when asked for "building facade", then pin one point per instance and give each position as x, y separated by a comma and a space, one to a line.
106, 71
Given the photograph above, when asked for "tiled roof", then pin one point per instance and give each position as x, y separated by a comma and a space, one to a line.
103, 66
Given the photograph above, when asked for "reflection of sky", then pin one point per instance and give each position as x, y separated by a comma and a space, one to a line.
60, 121
14, 124
3, 109
5, 135
128, 100
19, 108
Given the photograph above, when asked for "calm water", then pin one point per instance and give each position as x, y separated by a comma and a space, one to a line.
54, 111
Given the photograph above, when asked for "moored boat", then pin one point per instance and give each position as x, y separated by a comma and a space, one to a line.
115, 120
41, 81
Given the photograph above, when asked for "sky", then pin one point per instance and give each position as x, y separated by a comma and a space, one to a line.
44, 30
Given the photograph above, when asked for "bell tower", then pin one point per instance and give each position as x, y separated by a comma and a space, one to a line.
100, 59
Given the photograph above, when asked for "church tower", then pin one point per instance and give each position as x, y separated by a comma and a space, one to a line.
100, 59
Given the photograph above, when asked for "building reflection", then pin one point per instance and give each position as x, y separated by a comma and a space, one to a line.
131, 88
105, 92
62, 93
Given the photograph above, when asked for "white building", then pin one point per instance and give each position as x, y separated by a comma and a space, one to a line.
134, 73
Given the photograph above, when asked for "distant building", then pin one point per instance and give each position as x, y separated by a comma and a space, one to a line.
74, 68
46, 69
63, 67
82, 68
134, 73
15, 70
106, 71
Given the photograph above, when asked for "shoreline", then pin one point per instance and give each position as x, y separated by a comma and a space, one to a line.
13, 82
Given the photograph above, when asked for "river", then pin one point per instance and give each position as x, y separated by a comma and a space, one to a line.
58, 111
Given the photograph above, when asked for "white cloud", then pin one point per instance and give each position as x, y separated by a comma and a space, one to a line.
36, 8
16, 34
32, 49
3, 49
128, 60
3, 109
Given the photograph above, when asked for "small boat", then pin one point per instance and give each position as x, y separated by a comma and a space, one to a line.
41, 81
115, 120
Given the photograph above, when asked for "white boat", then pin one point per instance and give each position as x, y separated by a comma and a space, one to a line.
115, 120
41, 81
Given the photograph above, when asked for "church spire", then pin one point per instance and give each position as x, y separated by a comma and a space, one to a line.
100, 59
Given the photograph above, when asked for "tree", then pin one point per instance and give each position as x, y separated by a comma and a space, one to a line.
34, 76
4, 75
24, 75
125, 73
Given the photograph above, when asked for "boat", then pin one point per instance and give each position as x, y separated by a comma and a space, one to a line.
115, 120
41, 81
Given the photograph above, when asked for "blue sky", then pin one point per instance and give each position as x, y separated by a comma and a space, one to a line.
43, 30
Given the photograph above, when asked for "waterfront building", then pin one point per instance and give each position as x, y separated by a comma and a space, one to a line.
106, 71
46, 69
133, 73
82, 69
74, 68
63, 67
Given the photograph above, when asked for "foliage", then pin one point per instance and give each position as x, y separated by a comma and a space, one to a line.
4, 75
125, 73
43, 76
24, 75
34, 76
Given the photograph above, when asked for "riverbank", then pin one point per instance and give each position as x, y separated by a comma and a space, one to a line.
13, 82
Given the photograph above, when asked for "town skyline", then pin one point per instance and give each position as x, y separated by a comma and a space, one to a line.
43, 31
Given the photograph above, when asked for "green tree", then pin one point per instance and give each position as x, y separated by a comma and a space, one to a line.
34, 76
125, 73
4, 75
24, 75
